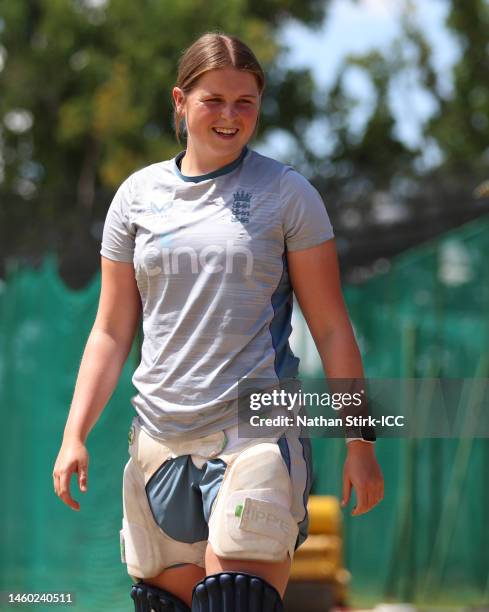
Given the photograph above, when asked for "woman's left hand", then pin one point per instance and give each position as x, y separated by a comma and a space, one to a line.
362, 471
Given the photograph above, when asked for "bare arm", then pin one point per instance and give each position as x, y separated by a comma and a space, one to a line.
315, 278
105, 353
107, 347
316, 281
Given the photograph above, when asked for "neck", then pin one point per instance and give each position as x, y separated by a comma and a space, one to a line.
196, 164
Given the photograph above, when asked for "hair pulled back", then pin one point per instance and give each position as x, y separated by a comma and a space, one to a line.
214, 50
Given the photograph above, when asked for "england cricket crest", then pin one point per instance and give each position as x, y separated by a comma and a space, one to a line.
240, 211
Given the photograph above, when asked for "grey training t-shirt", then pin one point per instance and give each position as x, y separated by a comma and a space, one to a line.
209, 255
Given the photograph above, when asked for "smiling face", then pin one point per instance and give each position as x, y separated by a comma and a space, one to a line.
221, 112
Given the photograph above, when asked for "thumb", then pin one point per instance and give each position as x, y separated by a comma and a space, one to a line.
346, 491
82, 477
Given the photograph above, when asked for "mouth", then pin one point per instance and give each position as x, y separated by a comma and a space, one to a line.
226, 133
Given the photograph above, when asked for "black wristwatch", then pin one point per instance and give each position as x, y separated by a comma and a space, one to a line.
365, 433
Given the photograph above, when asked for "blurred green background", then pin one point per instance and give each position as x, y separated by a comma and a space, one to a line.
384, 105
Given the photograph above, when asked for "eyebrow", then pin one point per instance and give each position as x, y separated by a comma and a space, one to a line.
240, 96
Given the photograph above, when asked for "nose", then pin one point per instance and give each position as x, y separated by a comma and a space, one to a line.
228, 111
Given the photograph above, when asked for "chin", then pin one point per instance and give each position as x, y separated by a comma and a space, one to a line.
228, 147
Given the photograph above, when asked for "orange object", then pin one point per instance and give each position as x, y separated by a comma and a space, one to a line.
317, 567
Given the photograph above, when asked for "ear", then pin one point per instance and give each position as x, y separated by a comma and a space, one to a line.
179, 99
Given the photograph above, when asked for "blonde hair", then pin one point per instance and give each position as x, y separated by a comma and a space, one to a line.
214, 50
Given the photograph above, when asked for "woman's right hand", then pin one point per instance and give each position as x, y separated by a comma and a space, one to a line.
72, 457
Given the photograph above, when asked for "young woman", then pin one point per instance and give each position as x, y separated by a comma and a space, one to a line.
208, 247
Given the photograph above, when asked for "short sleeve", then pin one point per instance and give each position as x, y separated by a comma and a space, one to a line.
305, 219
118, 236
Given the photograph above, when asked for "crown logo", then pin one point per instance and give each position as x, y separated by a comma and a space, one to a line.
240, 210
242, 196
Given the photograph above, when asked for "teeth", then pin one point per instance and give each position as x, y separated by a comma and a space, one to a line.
225, 131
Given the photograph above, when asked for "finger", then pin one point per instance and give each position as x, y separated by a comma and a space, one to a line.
56, 483
377, 494
83, 477
373, 499
346, 491
362, 501
374, 496
380, 493
64, 491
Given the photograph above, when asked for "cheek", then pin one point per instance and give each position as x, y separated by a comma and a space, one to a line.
249, 113
200, 115
250, 117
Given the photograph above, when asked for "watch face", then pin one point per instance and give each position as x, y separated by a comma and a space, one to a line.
368, 433
365, 433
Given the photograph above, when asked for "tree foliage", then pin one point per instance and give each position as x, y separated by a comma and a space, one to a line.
86, 99
97, 77
86, 96
461, 125
384, 194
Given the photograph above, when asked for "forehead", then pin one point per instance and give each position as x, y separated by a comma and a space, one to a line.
228, 81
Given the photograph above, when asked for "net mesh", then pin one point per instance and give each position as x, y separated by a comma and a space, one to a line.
428, 541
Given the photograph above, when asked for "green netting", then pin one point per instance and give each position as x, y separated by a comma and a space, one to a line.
428, 541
